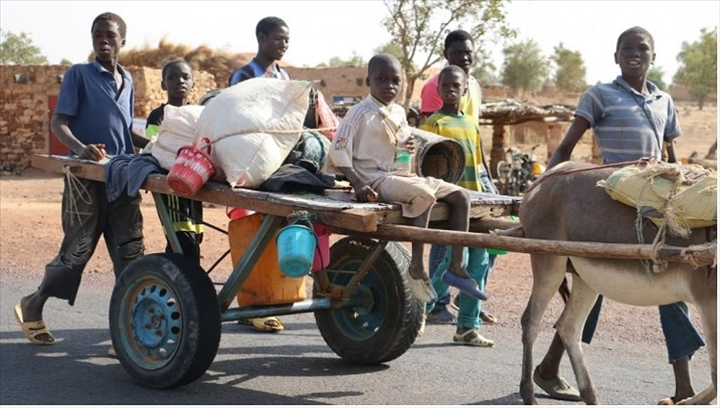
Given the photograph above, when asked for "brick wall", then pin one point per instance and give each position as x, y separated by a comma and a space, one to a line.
25, 116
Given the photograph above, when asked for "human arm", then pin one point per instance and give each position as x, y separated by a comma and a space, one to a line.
363, 191
564, 150
61, 129
138, 139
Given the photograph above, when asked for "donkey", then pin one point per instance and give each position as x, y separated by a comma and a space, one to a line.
566, 205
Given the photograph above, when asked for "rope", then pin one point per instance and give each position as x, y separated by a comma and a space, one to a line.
75, 185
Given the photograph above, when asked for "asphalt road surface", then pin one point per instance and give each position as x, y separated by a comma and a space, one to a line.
297, 367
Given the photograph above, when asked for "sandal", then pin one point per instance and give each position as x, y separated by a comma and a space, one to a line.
472, 338
487, 318
265, 324
33, 329
441, 317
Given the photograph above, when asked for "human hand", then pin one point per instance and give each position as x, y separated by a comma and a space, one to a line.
366, 194
94, 152
410, 144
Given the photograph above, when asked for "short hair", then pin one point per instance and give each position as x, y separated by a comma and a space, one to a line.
113, 18
457, 35
268, 25
381, 60
635, 30
176, 61
451, 68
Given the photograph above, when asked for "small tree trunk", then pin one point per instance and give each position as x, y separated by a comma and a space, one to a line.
497, 152
409, 89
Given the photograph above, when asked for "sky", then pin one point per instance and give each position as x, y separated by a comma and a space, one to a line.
321, 30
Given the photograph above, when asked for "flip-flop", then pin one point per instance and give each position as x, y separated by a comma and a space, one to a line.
487, 318
268, 324
466, 285
422, 289
33, 329
441, 317
472, 338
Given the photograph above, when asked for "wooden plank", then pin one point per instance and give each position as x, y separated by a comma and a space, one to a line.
702, 254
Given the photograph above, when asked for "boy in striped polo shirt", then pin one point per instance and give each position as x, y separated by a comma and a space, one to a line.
452, 123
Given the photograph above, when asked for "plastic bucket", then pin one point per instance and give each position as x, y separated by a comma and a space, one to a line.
193, 167
322, 254
296, 249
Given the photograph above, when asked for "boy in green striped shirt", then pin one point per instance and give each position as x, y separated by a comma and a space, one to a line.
452, 123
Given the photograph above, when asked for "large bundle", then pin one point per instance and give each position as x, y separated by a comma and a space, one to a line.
253, 126
177, 130
683, 196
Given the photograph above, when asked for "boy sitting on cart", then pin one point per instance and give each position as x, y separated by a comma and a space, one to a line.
365, 149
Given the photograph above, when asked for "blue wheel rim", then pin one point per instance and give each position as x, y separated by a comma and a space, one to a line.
152, 320
362, 321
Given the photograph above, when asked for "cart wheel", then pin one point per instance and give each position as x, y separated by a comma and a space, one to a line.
389, 318
165, 320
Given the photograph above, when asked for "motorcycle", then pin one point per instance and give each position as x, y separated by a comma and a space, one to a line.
518, 171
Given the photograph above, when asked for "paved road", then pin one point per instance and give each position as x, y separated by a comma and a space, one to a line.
297, 367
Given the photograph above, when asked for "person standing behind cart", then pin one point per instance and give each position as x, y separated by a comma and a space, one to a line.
93, 118
273, 37
458, 50
631, 119
185, 214
454, 124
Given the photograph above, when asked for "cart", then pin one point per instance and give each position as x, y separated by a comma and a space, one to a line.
165, 313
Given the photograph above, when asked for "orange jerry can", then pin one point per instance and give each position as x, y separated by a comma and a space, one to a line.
266, 285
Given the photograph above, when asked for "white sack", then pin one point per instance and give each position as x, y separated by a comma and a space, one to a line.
177, 130
253, 127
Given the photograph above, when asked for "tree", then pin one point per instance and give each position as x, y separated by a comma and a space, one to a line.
483, 68
65, 62
525, 67
698, 66
419, 28
391, 48
355, 60
655, 75
18, 49
570, 70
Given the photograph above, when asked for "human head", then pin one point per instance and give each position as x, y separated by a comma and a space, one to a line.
273, 37
177, 79
452, 83
108, 32
459, 49
635, 51
413, 117
384, 77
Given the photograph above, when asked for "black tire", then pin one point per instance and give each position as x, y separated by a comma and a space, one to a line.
165, 320
390, 319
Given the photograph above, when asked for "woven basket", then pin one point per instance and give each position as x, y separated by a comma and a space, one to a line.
192, 169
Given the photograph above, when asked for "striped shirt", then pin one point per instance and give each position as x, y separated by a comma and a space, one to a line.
253, 69
628, 125
462, 129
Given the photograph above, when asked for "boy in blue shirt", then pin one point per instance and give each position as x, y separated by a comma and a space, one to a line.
93, 118
273, 37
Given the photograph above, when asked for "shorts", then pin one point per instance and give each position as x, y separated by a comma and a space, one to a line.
415, 194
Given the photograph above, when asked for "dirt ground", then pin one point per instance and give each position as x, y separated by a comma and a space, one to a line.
30, 235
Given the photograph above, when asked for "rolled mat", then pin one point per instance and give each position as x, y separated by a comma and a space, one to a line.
438, 156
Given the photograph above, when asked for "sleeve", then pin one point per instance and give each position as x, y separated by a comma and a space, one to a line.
672, 127
430, 125
430, 101
69, 96
591, 106
154, 120
238, 76
341, 153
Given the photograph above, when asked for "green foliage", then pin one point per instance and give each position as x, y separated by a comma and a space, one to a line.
483, 68
525, 67
391, 48
355, 60
570, 70
655, 75
698, 66
419, 28
17, 49
66, 62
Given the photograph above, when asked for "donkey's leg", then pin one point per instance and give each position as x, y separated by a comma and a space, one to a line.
548, 273
569, 328
707, 308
